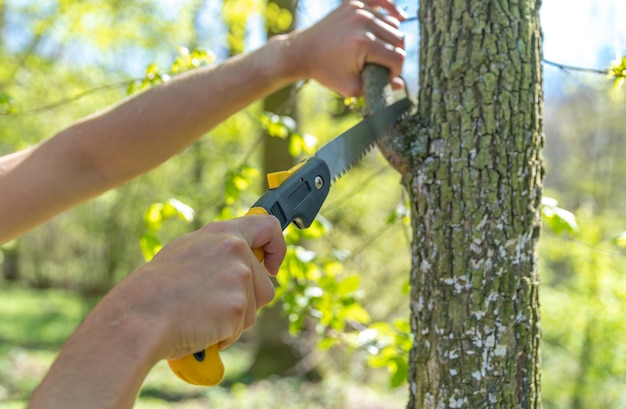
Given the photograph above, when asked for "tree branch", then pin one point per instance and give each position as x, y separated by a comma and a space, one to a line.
393, 144
572, 68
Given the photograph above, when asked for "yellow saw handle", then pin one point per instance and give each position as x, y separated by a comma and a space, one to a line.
206, 367
295, 195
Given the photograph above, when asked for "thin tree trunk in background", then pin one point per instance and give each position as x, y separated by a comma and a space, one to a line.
471, 163
276, 355
3, 8
10, 262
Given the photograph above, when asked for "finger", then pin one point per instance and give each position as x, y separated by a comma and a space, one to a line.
397, 83
265, 232
264, 290
388, 41
382, 15
390, 20
388, 5
259, 293
385, 54
250, 315
387, 33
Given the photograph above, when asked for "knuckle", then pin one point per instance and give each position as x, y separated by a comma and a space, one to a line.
392, 21
365, 39
237, 307
240, 275
275, 224
233, 245
217, 227
266, 296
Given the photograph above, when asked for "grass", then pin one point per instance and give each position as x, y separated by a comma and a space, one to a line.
35, 323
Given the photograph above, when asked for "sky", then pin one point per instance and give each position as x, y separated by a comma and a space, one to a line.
584, 32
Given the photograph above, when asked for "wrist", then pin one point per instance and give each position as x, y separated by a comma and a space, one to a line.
129, 315
290, 63
115, 321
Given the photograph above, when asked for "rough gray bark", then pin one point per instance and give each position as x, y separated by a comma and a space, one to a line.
471, 162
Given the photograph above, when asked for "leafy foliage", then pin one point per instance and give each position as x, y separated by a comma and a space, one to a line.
154, 217
583, 320
185, 61
278, 19
284, 126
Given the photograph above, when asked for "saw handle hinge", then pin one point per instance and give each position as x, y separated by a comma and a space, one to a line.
296, 195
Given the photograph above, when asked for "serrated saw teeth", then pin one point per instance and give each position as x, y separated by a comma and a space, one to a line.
343, 152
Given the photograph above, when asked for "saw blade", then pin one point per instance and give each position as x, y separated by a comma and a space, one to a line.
347, 149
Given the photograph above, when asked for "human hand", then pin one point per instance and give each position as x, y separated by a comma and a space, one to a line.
335, 50
205, 287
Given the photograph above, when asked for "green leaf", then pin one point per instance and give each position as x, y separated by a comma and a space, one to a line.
9, 245
150, 245
620, 240
175, 207
6, 101
558, 219
355, 312
152, 71
153, 216
317, 229
400, 372
277, 130
279, 126
302, 144
326, 343
277, 19
400, 212
348, 285
188, 60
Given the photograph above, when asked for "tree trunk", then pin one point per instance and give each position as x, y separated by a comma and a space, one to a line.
471, 163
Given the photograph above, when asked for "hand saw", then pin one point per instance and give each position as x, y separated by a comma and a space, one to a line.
296, 195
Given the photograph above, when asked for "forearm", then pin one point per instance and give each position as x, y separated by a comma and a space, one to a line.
109, 148
146, 130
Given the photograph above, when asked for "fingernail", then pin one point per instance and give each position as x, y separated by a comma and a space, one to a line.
403, 13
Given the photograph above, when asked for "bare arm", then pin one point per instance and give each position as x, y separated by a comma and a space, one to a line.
205, 287
107, 149
201, 289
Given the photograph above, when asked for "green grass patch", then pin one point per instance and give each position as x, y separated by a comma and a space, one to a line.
38, 318
35, 323
33, 326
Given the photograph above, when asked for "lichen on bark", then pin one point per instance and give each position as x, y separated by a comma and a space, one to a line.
472, 166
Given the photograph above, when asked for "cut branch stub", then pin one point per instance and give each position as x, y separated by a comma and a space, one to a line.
377, 93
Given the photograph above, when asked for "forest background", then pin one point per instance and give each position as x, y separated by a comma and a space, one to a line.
62, 60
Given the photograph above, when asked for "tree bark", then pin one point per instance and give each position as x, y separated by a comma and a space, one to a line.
471, 162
